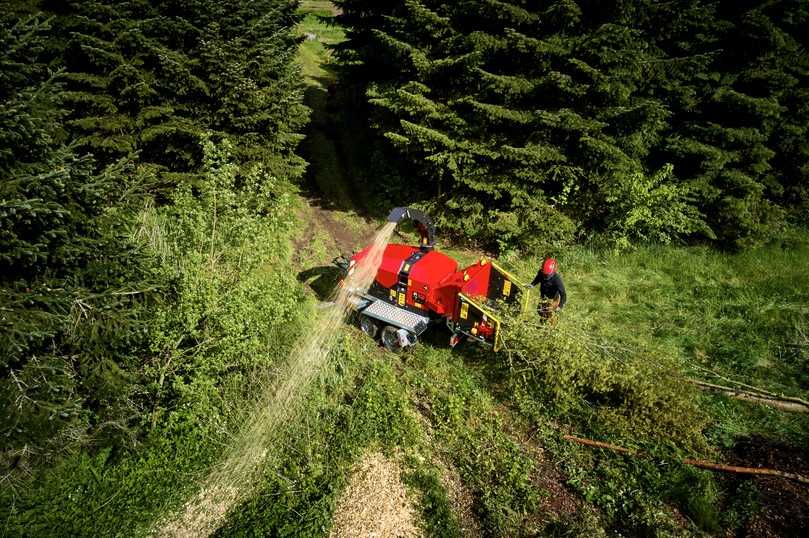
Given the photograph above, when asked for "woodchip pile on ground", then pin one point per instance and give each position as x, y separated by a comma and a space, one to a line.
375, 503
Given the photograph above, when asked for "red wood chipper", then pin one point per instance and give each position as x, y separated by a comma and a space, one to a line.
417, 287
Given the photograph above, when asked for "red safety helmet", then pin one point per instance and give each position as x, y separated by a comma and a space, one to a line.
549, 267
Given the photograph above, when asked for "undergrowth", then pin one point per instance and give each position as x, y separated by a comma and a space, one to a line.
615, 368
231, 315
464, 428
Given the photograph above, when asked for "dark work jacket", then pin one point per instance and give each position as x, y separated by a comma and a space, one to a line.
551, 288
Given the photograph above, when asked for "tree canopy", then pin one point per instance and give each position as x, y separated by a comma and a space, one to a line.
105, 110
527, 120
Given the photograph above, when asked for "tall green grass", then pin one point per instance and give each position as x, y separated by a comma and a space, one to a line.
639, 324
742, 315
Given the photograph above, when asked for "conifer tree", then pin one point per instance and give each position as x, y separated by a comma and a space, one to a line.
255, 92
102, 108
69, 325
513, 114
127, 91
644, 120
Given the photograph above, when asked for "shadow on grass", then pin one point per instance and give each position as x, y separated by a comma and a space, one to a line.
329, 177
322, 280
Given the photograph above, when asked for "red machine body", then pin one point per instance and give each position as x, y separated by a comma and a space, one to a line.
416, 286
431, 282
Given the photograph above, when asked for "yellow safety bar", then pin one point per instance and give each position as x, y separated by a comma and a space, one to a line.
526, 293
489, 314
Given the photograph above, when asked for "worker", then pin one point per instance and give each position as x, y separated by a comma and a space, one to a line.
551, 288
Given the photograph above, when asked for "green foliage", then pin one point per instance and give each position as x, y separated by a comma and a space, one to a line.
357, 406
218, 246
462, 422
225, 323
644, 209
614, 369
698, 309
106, 304
697, 494
609, 390
134, 85
648, 121
75, 289
437, 513
627, 492
148, 292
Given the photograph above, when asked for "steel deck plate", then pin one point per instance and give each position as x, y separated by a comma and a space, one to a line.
399, 317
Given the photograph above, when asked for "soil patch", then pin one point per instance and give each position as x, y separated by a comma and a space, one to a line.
784, 504
344, 237
560, 502
461, 500
375, 503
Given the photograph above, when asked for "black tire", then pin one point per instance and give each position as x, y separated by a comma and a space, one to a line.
390, 339
369, 326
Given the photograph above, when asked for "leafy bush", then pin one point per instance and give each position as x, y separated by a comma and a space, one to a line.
470, 434
228, 316
225, 248
604, 389
645, 208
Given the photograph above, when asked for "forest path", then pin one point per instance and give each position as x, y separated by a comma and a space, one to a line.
333, 214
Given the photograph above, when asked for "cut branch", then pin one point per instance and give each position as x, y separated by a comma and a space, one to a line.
693, 462
784, 403
745, 470
752, 388
600, 444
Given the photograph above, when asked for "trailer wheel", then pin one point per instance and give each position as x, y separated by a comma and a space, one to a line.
369, 326
390, 339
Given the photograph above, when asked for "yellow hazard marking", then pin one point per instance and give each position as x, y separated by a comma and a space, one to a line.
392, 294
406, 267
402, 299
464, 310
524, 296
507, 288
493, 320
419, 305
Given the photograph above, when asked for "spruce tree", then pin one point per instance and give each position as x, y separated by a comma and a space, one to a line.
70, 325
638, 119
516, 114
103, 108
255, 91
127, 91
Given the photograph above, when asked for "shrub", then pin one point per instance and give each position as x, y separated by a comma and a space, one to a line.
608, 390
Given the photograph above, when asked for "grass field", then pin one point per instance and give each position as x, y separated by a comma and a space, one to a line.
660, 316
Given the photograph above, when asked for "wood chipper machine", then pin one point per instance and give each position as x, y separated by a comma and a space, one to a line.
417, 288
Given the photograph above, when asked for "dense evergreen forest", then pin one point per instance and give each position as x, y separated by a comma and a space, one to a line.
532, 121
177, 177
110, 115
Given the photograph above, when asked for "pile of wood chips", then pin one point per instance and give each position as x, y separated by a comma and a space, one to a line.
375, 503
